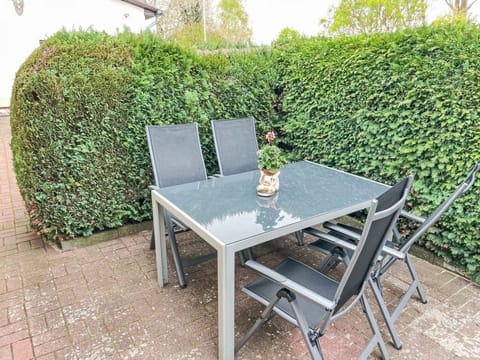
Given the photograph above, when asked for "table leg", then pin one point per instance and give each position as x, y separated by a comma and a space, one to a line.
160, 242
226, 303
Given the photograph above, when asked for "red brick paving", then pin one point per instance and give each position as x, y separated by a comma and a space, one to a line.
22, 349
103, 302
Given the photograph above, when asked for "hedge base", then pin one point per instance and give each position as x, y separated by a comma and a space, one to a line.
103, 236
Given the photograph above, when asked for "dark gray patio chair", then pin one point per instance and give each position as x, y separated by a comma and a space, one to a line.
177, 159
311, 300
236, 145
393, 252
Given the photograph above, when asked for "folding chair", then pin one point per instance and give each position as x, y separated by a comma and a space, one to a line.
392, 252
177, 159
311, 300
236, 145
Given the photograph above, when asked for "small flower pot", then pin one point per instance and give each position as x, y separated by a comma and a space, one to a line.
269, 183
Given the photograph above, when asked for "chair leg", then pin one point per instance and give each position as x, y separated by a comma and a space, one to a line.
414, 276
330, 262
242, 258
152, 241
377, 336
176, 255
300, 239
415, 285
310, 338
260, 321
246, 254
389, 321
250, 254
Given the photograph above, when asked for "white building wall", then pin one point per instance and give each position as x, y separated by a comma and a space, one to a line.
20, 35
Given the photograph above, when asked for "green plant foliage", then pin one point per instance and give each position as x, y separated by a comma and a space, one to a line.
79, 108
388, 105
67, 115
370, 16
380, 106
271, 158
234, 21
241, 84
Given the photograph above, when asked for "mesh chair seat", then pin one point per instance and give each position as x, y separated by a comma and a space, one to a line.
265, 291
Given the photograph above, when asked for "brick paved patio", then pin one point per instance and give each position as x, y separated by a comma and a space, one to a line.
103, 302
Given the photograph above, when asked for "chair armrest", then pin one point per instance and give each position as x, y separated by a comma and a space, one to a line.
180, 225
347, 245
412, 217
330, 238
392, 252
153, 187
289, 284
341, 229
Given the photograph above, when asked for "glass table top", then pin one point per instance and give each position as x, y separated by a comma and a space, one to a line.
229, 208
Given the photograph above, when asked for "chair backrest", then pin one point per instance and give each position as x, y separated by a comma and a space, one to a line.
381, 218
433, 218
236, 145
176, 154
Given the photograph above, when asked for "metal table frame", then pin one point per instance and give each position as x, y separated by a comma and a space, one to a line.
226, 251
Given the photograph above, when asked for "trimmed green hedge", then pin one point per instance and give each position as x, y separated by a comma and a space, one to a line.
68, 113
388, 105
80, 105
380, 106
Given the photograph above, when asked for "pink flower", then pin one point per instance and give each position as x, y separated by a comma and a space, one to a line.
270, 136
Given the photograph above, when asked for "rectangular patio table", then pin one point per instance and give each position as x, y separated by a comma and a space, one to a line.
227, 213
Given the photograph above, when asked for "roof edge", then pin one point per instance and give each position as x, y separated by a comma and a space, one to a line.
143, 5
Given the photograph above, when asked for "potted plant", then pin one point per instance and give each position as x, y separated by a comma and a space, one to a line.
270, 160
